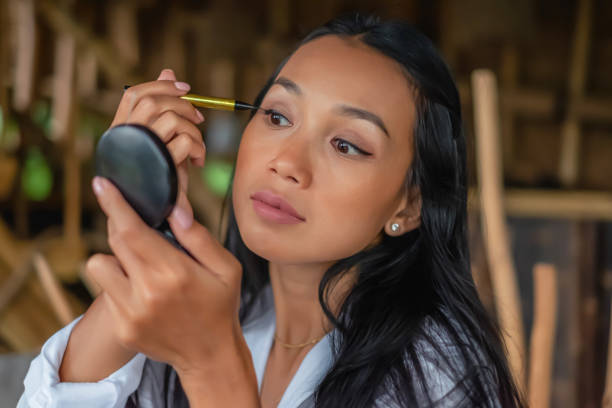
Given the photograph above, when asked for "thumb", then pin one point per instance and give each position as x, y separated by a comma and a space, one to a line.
167, 75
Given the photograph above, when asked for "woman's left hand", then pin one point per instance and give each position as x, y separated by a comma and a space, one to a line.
166, 304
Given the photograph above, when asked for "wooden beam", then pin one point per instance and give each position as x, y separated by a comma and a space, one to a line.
540, 103
535, 203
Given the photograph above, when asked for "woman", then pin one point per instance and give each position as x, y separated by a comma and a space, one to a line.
344, 281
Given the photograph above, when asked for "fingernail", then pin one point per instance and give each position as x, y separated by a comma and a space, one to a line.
98, 185
183, 86
182, 217
200, 116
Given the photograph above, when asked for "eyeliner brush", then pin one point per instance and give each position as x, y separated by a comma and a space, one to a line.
212, 102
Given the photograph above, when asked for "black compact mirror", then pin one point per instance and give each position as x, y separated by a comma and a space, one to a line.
138, 163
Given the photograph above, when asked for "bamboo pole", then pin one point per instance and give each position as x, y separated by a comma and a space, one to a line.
87, 74
117, 70
4, 65
542, 335
64, 116
607, 396
63, 79
11, 287
123, 30
503, 277
570, 129
173, 49
509, 80
25, 34
54, 291
25, 322
9, 249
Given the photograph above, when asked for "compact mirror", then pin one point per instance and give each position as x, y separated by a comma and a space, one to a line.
138, 163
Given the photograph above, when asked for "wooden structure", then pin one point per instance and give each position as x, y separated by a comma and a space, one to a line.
77, 56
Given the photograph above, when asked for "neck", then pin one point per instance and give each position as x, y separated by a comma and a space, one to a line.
299, 315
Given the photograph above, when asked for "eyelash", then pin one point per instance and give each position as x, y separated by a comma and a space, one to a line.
269, 112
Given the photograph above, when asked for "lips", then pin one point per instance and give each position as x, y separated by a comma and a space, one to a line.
273, 200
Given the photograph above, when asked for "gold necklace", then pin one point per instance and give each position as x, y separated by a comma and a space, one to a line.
301, 345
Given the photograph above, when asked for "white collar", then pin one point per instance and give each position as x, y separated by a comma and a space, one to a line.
259, 335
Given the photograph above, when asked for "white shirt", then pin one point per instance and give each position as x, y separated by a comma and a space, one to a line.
43, 389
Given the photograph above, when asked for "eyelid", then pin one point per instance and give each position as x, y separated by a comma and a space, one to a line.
360, 151
268, 114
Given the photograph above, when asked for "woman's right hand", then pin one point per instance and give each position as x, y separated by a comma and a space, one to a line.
158, 106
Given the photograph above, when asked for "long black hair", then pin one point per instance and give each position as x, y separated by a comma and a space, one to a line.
414, 305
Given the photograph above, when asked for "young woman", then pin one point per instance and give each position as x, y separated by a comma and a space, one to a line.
344, 280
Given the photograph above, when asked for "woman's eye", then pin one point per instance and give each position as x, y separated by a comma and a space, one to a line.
347, 148
277, 119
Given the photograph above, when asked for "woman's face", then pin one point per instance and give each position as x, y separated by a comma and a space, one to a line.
337, 149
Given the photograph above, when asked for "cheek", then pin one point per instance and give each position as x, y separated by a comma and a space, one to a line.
348, 209
349, 222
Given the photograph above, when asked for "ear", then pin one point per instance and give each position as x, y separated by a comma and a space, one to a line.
407, 215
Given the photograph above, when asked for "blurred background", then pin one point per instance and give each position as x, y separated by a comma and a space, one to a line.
536, 89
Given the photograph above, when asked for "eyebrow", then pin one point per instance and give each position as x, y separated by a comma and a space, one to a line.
351, 111
344, 110
289, 85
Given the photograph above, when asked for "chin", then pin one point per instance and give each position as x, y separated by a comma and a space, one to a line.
266, 247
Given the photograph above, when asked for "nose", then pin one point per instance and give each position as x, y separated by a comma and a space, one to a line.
292, 161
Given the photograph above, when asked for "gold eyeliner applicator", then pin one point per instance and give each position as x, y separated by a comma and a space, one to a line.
212, 102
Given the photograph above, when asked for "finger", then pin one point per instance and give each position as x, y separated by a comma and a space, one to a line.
183, 146
166, 74
149, 108
183, 210
106, 271
129, 248
170, 124
129, 236
196, 239
183, 175
133, 94
114, 205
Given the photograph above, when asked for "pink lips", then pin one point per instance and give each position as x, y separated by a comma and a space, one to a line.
273, 208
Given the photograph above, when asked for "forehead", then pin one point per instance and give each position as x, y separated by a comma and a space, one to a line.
345, 70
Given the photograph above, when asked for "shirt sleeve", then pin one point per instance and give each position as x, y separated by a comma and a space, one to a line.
44, 390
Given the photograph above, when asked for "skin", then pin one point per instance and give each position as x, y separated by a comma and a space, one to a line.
151, 290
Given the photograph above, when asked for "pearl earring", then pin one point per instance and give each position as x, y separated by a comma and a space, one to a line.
395, 227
